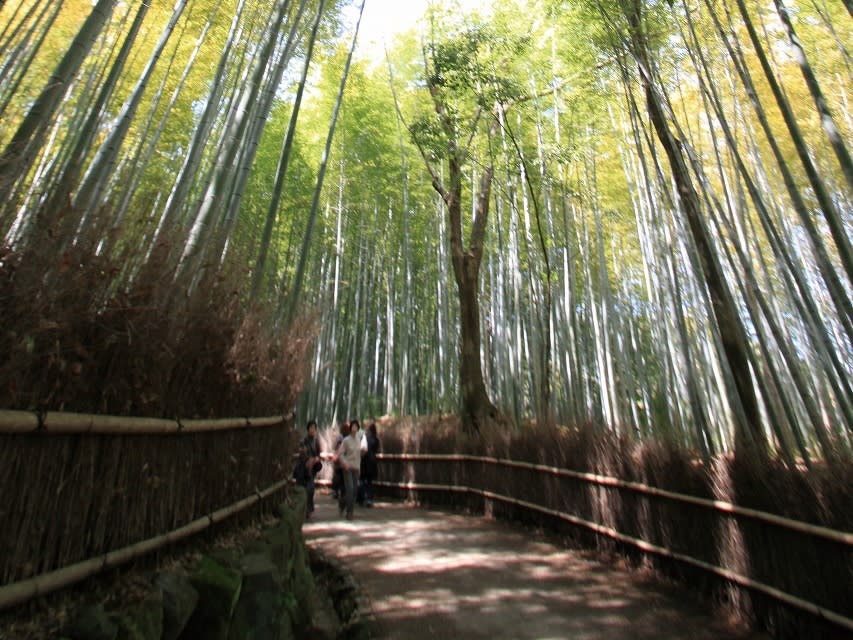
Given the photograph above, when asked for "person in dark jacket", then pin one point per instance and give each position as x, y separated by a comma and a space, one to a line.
369, 464
308, 464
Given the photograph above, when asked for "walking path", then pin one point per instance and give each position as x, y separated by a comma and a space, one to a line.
432, 574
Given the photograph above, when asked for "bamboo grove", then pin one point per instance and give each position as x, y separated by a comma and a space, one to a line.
657, 196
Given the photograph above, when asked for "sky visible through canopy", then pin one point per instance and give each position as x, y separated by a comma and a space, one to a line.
384, 18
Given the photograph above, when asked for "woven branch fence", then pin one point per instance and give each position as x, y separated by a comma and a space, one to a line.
744, 548
78, 492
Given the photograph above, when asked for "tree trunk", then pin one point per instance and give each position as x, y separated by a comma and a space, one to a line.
183, 181
821, 255
477, 408
259, 116
831, 212
70, 174
212, 207
17, 60
827, 121
476, 405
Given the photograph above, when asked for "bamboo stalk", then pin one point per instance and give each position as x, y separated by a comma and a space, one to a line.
18, 421
25, 590
841, 537
269, 421
196, 426
731, 576
55, 422
70, 423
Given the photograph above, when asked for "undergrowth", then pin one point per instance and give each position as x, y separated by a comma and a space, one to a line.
80, 334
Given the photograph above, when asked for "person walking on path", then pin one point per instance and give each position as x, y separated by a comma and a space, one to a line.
369, 463
308, 464
349, 458
362, 445
337, 474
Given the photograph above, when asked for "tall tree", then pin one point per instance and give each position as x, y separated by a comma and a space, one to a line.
467, 96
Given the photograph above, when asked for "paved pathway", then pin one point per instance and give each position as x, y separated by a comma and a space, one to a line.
431, 574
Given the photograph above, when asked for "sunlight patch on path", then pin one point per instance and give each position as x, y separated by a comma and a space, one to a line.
431, 574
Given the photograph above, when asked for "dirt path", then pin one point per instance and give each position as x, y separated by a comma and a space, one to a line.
431, 574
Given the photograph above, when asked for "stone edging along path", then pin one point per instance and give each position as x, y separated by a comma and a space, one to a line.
262, 587
353, 615
264, 582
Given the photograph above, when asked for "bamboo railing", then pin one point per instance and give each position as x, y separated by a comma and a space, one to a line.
66, 479
18, 423
54, 422
720, 506
844, 538
25, 590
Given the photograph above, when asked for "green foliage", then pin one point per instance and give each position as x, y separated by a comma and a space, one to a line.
427, 134
545, 92
471, 59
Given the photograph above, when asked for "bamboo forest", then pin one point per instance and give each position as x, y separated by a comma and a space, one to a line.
634, 216
587, 264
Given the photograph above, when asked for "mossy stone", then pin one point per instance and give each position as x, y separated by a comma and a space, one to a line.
143, 621
218, 590
297, 504
301, 586
179, 601
255, 546
280, 509
229, 558
93, 623
260, 613
360, 630
280, 543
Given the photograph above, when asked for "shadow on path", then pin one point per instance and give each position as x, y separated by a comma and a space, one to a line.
433, 574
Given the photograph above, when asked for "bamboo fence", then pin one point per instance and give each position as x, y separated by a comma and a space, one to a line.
482, 478
66, 480
55, 422
418, 473
25, 590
